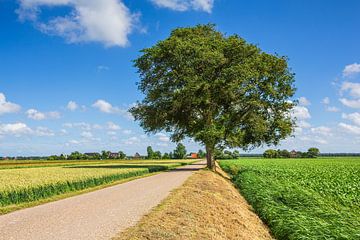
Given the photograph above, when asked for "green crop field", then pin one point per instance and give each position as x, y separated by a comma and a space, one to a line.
27, 181
302, 198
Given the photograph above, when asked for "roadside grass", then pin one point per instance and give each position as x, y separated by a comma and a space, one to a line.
205, 207
302, 199
29, 186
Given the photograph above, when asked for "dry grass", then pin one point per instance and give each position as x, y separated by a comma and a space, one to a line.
205, 207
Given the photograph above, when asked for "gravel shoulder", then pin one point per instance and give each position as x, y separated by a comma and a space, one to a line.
95, 215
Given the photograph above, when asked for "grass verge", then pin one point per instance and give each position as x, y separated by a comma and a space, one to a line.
205, 207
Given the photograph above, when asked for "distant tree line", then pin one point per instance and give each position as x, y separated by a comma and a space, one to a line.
89, 156
272, 153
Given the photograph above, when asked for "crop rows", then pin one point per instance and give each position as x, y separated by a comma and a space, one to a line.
302, 199
27, 184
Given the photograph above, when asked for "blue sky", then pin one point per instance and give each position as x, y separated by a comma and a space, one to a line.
66, 76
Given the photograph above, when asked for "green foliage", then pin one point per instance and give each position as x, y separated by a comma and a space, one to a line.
226, 154
150, 152
166, 156
157, 155
180, 151
302, 198
217, 89
313, 152
271, 153
201, 154
122, 155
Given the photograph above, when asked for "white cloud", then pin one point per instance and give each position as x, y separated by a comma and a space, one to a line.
353, 117
72, 106
83, 126
303, 101
102, 68
86, 134
350, 103
113, 126
326, 101
132, 141
322, 130
350, 128
332, 109
303, 124
126, 131
351, 70
353, 88
111, 133
107, 107
107, 21
7, 107
36, 115
301, 113
14, 129
162, 137
43, 131
184, 5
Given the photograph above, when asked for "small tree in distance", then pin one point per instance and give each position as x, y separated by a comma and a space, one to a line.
313, 152
180, 151
218, 90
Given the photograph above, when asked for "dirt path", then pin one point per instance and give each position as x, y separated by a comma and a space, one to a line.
95, 215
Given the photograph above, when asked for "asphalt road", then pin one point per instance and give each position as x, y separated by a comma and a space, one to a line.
96, 215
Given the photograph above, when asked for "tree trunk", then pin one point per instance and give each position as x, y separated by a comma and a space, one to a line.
210, 158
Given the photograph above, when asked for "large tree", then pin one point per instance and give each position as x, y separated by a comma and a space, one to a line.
216, 89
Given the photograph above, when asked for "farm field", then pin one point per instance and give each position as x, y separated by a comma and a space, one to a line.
302, 198
25, 181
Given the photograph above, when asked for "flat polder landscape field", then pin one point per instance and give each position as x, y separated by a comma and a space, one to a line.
27, 182
302, 198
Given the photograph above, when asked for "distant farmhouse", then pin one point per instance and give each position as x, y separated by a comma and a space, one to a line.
192, 156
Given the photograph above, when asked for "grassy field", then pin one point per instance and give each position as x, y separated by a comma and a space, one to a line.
26, 181
302, 198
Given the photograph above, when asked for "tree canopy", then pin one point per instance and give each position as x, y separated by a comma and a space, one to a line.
218, 90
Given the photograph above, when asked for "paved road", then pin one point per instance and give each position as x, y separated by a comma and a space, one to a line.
96, 215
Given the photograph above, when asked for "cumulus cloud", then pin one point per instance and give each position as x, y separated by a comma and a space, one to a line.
352, 88
106, 107
108, 22
350, 128
353, 117
82, 125
44, 131
36, 115
113, 126
185, 5
7, 107
162, 137
352, 103
14, 129
301, 113
72, 106
351, 70
303, 124
303, 101
332, 109
86, 134
19, 129
326, 101
322, 130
